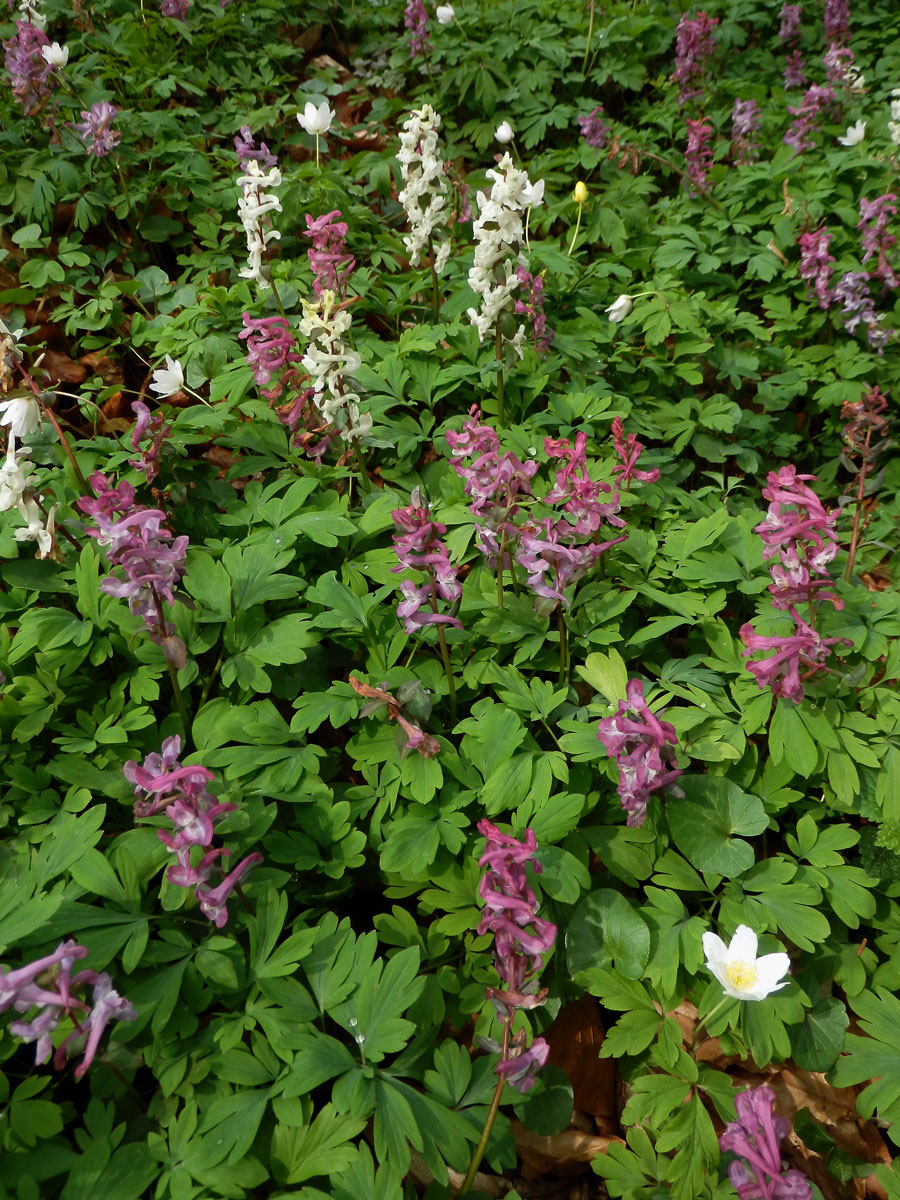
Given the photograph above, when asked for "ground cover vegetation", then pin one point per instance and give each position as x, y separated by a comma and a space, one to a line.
449, 736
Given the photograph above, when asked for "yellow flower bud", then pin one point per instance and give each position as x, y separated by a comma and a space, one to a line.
580, 194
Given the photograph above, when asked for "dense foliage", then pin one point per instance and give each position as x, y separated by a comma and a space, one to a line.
443, 596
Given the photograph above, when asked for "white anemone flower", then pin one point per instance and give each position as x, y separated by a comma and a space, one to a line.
316, 121
169, 379
854, 135
620, 309
55, 55
444, 14
22, 414
742, 975
504, 133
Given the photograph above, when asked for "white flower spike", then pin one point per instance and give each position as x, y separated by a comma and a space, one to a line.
854, 135
620, 309
55, 54
742, 975
504, 133
444, 14
169, 379
316, 121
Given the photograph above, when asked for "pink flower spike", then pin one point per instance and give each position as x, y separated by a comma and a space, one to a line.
521, 1070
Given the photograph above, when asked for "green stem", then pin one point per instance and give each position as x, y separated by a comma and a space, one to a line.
590, 35
364, 481
173, 673
563, 645
435, 291
705, 1021
857, 516
478, 1153
445, 653
63, 440
575, 234
500, 395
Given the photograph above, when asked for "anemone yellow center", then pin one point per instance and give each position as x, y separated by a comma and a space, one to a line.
741, 975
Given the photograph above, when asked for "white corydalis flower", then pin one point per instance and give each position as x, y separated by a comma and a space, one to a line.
854, 135
22, 414
169, 379
331, 364
424, 186
14, 477
499, 232
254, 205
504, 133
620, 309
742, 975
316, 121
55, 55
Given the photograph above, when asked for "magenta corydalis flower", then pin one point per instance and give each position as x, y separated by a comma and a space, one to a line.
858, 308
95, 129
530, 303
795, 70
214, 901
755, 1138
694, 43
801, 134
803, 651
593, 129
698, 154
178, 9
159, 430
745, 123
800, 533
270, 348
642, 746
417, 541
520, 1070
415, 20
332, 264
247, 150
629, 450
28, 70
816, 264
875, 217
791, 15
837, 20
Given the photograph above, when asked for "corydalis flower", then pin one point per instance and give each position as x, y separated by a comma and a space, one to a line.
330, 363
178, 9
254, 206
816, 264
416, 22
742, 975
858, 308
756, 1137
698, 155
530, 303
791, 15
424, 193
332, 264
800, 533
795, 70
803, 650
48, 985
694, 43
837, 20
875, 215
593, 130
95, 129
270, 348
27, 67
410, 735
499, 232
417, 541
642, 746
801, 134
152, 558
745, 122
159, 430
521, 937
247, 150
629, 450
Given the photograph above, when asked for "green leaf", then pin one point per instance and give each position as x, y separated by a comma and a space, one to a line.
875, 1057
605, 930
820, 1039
548, 1106
705, 822
324, 1147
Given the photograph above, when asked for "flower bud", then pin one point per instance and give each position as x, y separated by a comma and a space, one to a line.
580, 194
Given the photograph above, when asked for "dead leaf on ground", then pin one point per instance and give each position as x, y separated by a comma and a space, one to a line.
575, 1039
61, 368
563, 1154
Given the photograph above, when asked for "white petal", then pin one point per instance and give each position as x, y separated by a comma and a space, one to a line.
743, 945
714, 949
772, 968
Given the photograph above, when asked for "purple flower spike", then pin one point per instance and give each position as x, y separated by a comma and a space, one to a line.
745, 122
629, 450
593, 130
791, 15
698, 155
816, 264
246, 149
755, 1138
816, 101
642, 745
270, 348
94, 130
694, 43
419, 548
531, 304
803, 650
178, 9
875, 216
159, 429
28, 70
416, 22
332, 264
837, 20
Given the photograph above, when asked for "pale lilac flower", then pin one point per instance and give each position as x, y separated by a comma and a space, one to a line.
837, 20
816, 264
531, 304
27, 67
593, 130
247, 150
698, 155
162, 780
94, 130
580, 494
107, 1005
416, 22
553, 561
755, 1137
270, 348
642, 745
815, 101
159, 430
858, 308
839, 68
694, 43
745, 123
175, 8
331, 262
875, 217
629, 450
17, 986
